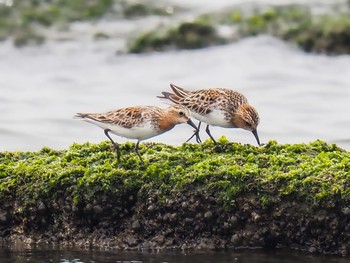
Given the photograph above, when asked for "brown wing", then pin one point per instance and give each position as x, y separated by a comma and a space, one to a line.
203, 101
234, 99
125, 117
200, 101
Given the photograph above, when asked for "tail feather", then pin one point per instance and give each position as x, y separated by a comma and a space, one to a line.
169, 96
181, 92
166, 95
177, 96
81, 116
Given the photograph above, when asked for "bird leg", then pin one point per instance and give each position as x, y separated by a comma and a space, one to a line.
137, 151
208, 132
196, 133
115, 145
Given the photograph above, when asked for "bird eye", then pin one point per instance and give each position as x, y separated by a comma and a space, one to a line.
181, 113
248, 124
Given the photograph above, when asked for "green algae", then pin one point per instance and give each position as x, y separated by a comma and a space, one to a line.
25, 21
322, 33
86, 174
187, 35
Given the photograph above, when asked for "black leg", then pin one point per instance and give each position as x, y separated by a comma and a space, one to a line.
211, 137
196, 133
137, 151
115, 145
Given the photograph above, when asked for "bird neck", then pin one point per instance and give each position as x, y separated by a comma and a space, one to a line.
166, 123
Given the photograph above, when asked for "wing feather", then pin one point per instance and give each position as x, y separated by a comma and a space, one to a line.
126, 117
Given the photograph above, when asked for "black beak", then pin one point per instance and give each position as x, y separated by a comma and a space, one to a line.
190, 122
256, 136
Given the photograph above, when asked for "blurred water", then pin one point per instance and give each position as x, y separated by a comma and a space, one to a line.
300, 97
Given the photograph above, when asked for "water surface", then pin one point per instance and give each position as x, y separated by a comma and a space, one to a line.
242, 256
300, 97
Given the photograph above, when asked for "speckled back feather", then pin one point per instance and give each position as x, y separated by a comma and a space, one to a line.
203, 101
126, 117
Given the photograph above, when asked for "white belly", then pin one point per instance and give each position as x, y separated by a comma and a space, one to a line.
214, 118
140, 133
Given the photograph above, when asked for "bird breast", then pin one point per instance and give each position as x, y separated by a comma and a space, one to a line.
215, 118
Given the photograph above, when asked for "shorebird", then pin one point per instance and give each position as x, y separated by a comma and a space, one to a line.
217, 107
140, 122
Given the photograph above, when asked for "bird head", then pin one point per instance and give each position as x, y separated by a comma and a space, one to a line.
247, 118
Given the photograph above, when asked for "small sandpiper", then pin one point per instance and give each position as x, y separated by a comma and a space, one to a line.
140, 122
218, 107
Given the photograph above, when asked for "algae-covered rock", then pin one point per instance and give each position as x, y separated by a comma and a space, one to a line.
25, 38
145, 8
188, 35
323, 33
189, 196
326, 33
25, 21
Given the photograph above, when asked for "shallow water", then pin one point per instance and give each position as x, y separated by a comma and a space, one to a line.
242, 256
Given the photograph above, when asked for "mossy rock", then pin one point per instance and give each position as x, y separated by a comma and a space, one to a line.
294, 23
34, 15
142, 9
315, 172
313, 33
25, 38
101, 36
227, 195
330, 35
188, 35
196, 35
